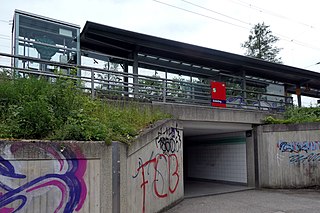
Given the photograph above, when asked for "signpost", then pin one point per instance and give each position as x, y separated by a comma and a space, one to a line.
218, 94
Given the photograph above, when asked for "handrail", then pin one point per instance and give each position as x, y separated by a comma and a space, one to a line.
102, 82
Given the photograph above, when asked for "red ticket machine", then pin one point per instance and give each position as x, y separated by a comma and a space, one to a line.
218, 94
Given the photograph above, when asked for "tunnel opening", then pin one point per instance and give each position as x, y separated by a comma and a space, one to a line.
216, 158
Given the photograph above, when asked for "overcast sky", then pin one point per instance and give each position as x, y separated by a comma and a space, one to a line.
221, 25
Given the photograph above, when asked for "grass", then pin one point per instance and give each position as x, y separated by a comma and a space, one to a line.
33, 108
295, 115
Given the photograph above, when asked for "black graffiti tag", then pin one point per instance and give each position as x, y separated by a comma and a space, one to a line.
169, 140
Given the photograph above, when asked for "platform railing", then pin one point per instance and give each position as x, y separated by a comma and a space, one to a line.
114, 84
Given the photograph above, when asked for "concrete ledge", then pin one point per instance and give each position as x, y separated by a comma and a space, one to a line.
207, 113
90, 149
148, 135
291, 127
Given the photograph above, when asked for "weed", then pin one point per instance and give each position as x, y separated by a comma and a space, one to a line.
34, 108
297, 115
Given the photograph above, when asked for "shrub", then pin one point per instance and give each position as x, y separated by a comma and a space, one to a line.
297, 115
25, 108
33, 108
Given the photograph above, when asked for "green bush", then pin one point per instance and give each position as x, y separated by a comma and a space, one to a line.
33, 108
25, 108
297, 115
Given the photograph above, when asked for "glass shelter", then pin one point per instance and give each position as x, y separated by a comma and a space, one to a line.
34, 36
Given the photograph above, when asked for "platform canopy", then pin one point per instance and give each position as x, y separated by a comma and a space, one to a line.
123, 43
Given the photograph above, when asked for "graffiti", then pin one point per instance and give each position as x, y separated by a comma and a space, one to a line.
68, 179
169, 140
297, 147
163, 167
301, 158
239, 102
158, 176
300, 152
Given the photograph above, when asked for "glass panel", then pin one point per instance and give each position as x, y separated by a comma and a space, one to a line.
275, 96
47, 32
47, 40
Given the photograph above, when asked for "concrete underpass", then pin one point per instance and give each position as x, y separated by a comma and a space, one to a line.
217, 157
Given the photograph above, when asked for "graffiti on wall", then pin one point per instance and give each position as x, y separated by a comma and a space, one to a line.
239, 102
68, 179
159, 174
169, 140
300, 152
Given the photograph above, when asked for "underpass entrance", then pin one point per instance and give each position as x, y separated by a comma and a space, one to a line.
216, 158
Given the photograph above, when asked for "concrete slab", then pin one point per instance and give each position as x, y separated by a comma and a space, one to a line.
204, 188
254, 201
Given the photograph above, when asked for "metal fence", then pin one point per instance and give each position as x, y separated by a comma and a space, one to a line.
114, 84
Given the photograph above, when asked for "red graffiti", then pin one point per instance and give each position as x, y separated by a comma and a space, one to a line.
173, 176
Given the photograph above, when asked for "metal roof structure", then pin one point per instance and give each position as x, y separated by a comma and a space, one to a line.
123, 43
45, 18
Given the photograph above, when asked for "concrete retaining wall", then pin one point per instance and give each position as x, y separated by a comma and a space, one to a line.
289, 155
208, 113
155, 169
70, 176
40, 176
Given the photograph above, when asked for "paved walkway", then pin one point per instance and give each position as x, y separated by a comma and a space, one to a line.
203, 188
254, 201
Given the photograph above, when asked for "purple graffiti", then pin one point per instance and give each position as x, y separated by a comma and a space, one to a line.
6, 169
69, 180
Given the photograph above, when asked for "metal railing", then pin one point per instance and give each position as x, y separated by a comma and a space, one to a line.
113, 84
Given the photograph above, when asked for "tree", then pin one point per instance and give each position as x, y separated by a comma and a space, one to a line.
150, 88
110, 84
260, 44
5, 73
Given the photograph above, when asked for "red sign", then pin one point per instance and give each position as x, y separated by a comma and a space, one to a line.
218, 94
